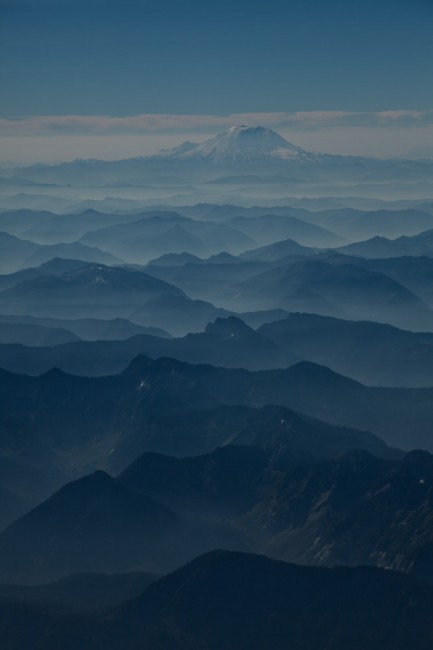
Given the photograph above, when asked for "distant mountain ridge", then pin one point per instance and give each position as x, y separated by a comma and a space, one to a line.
241, 143
253, 152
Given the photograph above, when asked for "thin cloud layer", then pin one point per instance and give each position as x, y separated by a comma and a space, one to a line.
153, 123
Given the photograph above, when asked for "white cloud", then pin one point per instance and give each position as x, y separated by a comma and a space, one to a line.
153, 123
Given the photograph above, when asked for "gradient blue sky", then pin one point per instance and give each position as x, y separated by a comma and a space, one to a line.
123, 58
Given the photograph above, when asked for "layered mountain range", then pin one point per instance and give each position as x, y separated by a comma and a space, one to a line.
216, 401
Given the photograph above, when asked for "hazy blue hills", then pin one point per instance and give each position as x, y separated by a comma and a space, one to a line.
361, 224
277, 251
177, 313
88, 329
34, 335
216, 419
332, 289
16, 222
415, 273
373, 353
266, 225
54, 266
144, 239
327, 283
93, 291
269, 228
17, 254
207, 280
416, 245
228, 342
370, 352
70, 227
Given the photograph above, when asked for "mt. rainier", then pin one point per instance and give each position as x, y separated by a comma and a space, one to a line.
245, 154
241, 143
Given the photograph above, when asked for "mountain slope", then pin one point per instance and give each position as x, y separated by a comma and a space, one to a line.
94, 291
88, 329
96, 524
168, 232
74, 409
337, 289
81, 593
17, 254
93, 524
371, 353
234, 601
251, 602
227, 342
350, 510
416, 245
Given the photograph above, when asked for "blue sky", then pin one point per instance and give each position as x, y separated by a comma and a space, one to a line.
123, 58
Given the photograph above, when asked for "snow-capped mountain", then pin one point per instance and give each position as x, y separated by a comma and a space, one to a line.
242, 155
240, 143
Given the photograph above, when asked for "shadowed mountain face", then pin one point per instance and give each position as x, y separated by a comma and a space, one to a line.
198, 431
96, 524
298, 606
245, 602
81, 593
57, 427
307, 387
355, 509
351, 510
76, 520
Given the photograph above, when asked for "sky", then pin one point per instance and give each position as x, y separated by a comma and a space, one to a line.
112, 78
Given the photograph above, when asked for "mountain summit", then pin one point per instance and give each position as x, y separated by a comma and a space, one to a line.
240, 143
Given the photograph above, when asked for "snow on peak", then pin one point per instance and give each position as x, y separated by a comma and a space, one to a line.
239, 142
